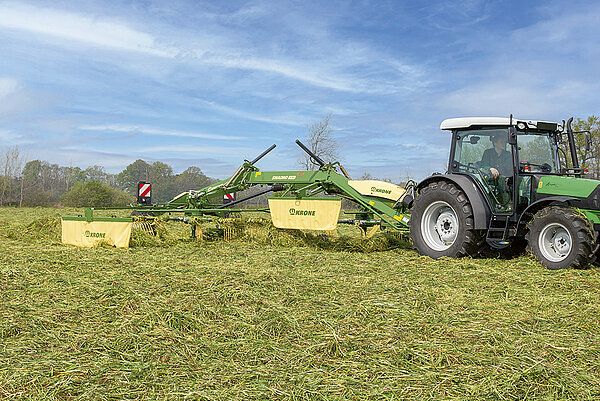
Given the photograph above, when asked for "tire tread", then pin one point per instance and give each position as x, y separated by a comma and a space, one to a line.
583, 229
473, 240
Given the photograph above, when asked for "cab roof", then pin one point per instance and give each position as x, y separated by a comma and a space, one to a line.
467, 122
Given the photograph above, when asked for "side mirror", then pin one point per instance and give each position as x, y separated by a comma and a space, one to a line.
512, 136
588, 142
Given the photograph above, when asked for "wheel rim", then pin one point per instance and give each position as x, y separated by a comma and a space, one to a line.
439, 226
555, 242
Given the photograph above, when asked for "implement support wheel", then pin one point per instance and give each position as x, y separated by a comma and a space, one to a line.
442, 223
560, 237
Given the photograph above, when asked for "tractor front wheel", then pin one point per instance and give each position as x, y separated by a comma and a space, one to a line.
442, 223
560, 237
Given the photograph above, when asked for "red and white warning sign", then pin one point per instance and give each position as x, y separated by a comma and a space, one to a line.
228, 198
143, 189
144, 193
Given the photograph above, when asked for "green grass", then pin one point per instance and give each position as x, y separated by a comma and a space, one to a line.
285, 317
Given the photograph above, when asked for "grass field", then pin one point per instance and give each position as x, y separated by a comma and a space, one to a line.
285, 319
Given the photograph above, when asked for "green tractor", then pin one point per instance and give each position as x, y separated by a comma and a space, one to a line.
508, 187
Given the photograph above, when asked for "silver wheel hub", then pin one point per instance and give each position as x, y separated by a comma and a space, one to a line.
439, 226
555, 242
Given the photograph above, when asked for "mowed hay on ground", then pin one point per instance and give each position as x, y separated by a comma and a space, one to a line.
249, 318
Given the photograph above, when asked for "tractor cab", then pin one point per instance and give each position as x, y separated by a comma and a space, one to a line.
504, 158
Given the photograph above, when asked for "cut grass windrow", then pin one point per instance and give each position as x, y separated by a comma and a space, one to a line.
285, 316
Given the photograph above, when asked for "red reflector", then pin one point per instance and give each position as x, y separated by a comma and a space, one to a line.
585, 170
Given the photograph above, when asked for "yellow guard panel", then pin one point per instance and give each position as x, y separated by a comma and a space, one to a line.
380, 189
305, 214
88, 234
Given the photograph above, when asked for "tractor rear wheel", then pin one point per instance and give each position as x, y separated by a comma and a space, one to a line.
560, 237
442, 222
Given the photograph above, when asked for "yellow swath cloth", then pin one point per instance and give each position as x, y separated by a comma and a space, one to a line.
305, 214
88, 233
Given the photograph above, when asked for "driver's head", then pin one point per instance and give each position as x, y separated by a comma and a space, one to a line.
499, 141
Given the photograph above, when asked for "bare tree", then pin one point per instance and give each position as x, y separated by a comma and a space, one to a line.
11, 162
321, 142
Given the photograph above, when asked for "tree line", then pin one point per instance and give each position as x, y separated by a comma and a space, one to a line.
39, 183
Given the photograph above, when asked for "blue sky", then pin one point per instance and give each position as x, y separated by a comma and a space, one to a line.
210, 83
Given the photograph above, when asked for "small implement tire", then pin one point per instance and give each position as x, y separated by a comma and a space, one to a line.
442, 222
560, 237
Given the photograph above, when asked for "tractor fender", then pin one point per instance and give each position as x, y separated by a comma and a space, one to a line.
540, 204
481, 210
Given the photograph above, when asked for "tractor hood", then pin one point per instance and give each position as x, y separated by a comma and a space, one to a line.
566, 186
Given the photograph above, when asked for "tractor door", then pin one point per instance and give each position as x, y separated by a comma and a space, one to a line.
537, 156
484, 155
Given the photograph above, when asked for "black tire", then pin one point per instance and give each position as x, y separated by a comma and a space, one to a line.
451, 200
560, 237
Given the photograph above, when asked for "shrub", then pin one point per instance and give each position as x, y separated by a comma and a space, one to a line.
95, 194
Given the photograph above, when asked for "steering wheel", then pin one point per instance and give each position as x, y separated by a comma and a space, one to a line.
486, 176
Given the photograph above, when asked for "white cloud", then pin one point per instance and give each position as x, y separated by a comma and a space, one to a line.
294, 70
213, 150
247, 14
16, 99
151, 131
7, 135
561, 33
527, 99
117, 35
79, 27
387, 75
328, 67
454, 16
542, 70
292, 120
83, 157
8, 86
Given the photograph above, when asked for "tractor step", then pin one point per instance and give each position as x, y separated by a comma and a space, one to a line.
499, 231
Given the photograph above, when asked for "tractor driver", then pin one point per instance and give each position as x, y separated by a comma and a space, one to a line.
498, 161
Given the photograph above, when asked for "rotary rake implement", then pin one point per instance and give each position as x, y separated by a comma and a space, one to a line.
306, 200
